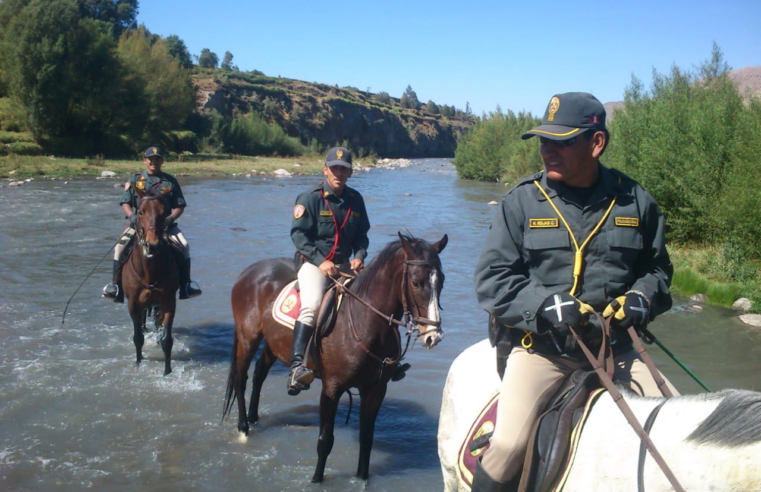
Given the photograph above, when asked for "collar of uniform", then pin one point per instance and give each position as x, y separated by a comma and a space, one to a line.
328, 191
147, 176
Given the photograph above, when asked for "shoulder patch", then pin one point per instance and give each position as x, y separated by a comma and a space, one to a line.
298, 211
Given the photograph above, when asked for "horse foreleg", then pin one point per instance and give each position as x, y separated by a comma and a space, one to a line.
370, 403
261, 369
167, 341
137, 338
328, 406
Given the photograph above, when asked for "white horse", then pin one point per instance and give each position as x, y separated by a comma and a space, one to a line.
711, 441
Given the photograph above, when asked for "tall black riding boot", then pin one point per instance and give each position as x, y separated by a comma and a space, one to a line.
114, 289
188, 288
482, 482
300, 377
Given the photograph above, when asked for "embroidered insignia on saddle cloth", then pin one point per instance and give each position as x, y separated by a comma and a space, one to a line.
285, 309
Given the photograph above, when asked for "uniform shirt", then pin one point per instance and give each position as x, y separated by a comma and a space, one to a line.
163, 182
529, 255
313, 230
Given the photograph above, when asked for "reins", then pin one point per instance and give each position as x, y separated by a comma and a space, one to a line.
408, 320
603, 366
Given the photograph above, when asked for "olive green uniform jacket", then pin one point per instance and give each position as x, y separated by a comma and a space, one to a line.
529, 254
313, 230
163, 183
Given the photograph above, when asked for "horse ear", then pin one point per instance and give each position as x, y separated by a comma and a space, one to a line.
405, 244
439, 247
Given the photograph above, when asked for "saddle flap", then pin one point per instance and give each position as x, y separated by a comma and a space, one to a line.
549, 446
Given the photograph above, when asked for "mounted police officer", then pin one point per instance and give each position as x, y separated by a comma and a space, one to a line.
153, 178
576, 238
329, 224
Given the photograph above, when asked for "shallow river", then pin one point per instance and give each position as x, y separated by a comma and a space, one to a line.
76, 414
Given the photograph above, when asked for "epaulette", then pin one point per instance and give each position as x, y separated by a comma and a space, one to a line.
527, 179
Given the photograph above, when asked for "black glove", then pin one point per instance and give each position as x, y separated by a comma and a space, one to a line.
630, 309
561, 310
133, 220
169, 223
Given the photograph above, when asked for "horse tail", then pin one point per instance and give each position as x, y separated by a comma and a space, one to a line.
230, 392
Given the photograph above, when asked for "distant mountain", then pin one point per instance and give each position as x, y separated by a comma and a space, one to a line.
329, 115
747, 80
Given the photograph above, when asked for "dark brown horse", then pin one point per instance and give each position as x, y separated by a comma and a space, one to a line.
363, 348
150, 276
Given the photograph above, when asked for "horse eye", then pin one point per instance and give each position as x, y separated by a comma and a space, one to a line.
416, 284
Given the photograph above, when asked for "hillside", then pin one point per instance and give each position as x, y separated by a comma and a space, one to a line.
330, 115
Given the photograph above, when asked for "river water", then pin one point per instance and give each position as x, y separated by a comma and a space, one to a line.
76, 414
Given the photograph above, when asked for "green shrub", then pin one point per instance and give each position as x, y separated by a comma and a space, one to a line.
10, 137
24, 148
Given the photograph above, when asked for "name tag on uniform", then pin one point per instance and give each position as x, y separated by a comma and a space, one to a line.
627, 221
542, 223
356, 214
326, 213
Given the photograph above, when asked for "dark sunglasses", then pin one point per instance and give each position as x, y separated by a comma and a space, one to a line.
559, 143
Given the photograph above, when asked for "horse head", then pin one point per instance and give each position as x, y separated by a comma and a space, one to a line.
422, 282
152, 211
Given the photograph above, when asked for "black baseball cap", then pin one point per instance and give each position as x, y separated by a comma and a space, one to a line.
339, 156
153, 151
569, 115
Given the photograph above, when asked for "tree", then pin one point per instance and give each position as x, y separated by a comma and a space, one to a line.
179, 51
119, 14
227, 61
409, 99
431, 108
63, 70
166, 86
382, 97
208, 59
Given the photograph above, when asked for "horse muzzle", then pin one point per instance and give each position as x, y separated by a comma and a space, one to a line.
430, 336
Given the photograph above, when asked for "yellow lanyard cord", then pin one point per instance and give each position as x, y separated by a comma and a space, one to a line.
527, 340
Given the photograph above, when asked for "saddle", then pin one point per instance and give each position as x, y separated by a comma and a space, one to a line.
553, 440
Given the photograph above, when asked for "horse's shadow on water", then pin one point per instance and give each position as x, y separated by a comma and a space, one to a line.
404, 431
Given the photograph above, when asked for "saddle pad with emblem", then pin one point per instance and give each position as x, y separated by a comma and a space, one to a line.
286, 308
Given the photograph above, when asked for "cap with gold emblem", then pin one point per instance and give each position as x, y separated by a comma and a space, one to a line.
569, 115
338, 156
153, 151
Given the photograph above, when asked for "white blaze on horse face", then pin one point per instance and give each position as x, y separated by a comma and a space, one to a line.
433, 335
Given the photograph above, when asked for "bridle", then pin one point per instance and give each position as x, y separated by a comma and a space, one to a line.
408, 320
140, 232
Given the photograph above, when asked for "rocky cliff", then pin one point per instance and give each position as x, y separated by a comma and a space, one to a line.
331, 115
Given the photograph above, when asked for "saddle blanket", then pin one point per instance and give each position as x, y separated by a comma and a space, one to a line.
477, 439
286, 307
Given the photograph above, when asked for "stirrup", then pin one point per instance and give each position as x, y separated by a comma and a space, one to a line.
190, 290
299, 380
110, 292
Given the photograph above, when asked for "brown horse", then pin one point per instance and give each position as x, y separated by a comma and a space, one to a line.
150, 275
363, 348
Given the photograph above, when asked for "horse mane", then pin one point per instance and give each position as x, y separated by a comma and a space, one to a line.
736, 421
387, 254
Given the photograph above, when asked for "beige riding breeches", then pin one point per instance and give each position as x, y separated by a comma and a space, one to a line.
312, 286
529, 382
176, 237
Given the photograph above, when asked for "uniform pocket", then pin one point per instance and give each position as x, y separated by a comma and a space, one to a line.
625, 247
549, 256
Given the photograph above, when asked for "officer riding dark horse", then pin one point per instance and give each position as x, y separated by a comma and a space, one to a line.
152, 178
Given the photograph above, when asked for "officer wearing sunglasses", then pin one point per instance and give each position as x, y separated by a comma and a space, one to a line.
576, 238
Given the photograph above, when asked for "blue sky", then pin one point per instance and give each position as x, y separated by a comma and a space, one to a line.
487, 53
